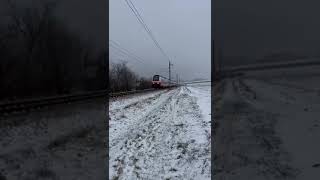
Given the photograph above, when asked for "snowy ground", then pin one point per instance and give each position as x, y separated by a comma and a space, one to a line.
162, 135
268, 126
60, 142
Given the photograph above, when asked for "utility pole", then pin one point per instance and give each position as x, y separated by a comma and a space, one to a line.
177, 78
170, 72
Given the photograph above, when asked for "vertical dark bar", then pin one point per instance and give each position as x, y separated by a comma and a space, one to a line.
265, 99
53, 52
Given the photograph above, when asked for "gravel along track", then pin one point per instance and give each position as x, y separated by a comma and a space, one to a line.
164, 136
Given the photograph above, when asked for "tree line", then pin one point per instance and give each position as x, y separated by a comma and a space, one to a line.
122, 78
40, 56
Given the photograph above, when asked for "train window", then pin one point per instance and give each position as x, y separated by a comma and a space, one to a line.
156, 77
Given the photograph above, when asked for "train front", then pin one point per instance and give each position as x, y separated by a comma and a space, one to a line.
156, 83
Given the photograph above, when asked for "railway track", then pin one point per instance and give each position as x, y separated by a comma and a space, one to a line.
7, 108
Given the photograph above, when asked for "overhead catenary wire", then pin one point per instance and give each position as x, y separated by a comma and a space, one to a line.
126, 53
114, 43
123, 51
116, 60
117, 54
144, 25
120, 57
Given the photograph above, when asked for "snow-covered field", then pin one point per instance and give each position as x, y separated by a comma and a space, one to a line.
268, 126
60, 142
162, 135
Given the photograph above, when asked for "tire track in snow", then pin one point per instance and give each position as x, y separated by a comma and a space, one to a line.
275, 161
255, 150
117, 113
165, 143
118, 104
123, 140
126, 119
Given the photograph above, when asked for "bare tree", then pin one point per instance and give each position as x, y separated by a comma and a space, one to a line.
144, 83
122, 78
41, 57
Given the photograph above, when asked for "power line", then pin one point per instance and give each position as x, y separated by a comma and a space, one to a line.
121, 59
119, 54
128, 52
125, 52
144, 25
117, 59
122, 51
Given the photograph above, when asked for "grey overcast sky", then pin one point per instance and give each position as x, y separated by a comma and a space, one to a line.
182, 28
253, 28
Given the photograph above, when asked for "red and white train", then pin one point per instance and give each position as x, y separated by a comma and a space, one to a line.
161, 82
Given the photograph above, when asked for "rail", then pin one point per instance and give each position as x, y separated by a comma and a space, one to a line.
29, 104
131, 92
263, 66
196, 82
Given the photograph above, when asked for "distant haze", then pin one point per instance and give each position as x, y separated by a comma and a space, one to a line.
182, 28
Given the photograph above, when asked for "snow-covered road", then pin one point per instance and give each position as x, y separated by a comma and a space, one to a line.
162, 135
268, 126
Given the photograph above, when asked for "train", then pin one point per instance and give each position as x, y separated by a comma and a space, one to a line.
159, 81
